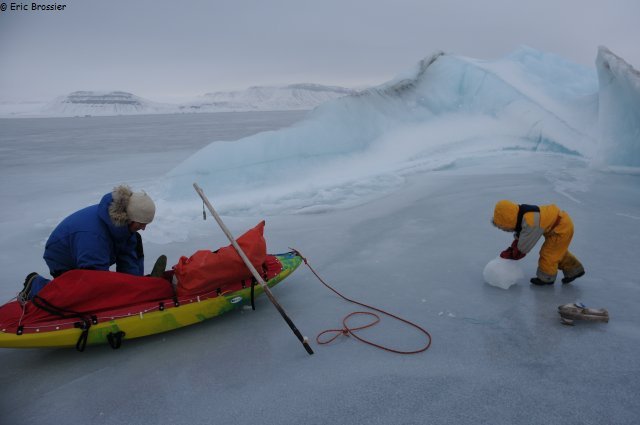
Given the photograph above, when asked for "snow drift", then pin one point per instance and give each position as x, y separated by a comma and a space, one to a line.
447, 110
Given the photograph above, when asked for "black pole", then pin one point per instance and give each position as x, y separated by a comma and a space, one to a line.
253, 271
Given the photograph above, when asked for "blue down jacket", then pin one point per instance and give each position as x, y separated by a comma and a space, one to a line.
89, 239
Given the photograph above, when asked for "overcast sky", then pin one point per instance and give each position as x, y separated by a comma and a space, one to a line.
165, 50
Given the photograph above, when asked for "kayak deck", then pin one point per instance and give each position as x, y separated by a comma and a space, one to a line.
146, 319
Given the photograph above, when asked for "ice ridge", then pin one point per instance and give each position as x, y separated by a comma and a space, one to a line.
447, 107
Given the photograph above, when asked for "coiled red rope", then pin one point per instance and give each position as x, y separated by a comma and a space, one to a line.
350, 331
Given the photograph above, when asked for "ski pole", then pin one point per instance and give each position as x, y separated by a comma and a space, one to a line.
253, 271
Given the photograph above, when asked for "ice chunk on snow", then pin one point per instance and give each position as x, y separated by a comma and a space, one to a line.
502, 273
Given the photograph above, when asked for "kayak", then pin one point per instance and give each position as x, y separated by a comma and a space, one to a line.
149, 318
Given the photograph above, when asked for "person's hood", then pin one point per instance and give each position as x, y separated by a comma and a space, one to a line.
505, 215
118, 207
112, 210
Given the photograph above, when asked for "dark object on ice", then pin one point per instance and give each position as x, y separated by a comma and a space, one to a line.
572, 278
540, 282
303, 339
578, 311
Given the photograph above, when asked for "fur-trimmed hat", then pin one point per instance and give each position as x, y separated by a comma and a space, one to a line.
129, 206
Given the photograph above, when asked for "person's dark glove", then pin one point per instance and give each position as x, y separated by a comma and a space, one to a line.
512, 253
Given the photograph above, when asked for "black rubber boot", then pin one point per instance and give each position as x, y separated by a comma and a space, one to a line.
572, 278
539, 282
159, 267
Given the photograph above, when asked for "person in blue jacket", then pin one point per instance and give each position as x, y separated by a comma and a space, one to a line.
96, 237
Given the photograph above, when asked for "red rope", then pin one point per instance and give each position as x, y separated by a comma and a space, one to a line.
347, 330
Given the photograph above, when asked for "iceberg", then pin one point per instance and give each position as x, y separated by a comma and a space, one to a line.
447, 110
618, 111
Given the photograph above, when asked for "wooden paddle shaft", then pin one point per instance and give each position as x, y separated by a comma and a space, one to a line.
252, 269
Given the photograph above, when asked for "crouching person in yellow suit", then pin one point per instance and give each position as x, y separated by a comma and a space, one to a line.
530, 222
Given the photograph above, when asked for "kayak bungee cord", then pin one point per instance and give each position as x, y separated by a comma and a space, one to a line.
346, 330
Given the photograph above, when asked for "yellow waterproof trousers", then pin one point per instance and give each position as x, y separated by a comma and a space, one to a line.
555, 254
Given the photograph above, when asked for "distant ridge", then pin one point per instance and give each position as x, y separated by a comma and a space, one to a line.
94, 98
301, 86
107, 103
266, 98
84, 103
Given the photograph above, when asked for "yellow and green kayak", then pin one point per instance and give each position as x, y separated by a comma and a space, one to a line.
144, 319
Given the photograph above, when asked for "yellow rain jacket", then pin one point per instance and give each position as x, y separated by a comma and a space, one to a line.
552, 223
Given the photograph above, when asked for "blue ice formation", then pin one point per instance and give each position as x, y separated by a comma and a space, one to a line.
446, 107
618, 111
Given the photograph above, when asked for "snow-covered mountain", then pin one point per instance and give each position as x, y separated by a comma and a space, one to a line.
94, 103
287, 98
83, 103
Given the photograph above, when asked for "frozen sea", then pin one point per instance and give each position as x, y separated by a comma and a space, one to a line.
389, 194
498, 356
